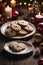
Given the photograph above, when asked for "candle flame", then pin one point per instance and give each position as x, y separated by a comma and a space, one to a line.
12, 0
8, 7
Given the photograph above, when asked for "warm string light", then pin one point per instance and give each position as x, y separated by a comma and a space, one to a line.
30, 0
0, 15
20, 3
24, 3
5, 3
29, 4
42, 3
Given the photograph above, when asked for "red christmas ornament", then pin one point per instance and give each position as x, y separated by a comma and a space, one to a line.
15, 14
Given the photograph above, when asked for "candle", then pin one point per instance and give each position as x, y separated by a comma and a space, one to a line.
8, 12
39, 15
12, 3
39, 18
0, 0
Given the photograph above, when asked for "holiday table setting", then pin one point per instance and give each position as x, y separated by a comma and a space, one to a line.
21, 32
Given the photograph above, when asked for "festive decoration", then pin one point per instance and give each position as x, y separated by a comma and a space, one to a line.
15, 14
29, 4
20, 3
30, 0
12, 3
0, 15
40, 26
5, 3
42, 3
42, 14
24, 3
33, 6
39, 18
8, 12
0, 0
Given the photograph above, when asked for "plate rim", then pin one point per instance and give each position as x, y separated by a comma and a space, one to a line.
19, 37
18, 53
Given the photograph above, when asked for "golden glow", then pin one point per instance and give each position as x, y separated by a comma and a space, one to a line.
0, 15
20, 3
42, 3
42, 14
13, 3
30, 0
24, 3
0, 0
5, 3
30, 8
8, 17
29, 4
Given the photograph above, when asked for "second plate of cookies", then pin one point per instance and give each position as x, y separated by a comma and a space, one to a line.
18, 47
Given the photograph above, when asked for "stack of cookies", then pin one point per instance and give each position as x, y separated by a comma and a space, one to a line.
18, 28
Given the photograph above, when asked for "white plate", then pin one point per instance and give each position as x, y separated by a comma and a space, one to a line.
4, 26
29, 48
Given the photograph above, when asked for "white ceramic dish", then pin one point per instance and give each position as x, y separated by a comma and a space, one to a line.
29, 48
4, 26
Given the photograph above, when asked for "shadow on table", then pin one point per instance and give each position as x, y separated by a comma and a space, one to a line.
9, 56
6, 39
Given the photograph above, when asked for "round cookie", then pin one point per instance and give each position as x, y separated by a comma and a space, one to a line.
12, 23
23, 23
17, 47
16, 27
22, 32
10, 32
28, 28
